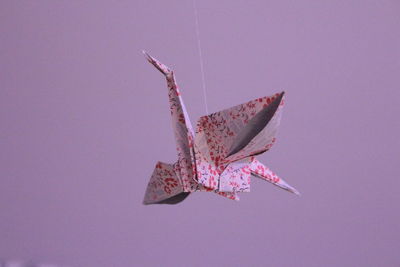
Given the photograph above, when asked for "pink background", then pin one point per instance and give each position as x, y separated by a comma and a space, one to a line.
84, 118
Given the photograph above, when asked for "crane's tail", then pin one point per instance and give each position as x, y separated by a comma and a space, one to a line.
263, 172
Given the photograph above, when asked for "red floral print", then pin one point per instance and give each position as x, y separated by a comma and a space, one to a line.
205, 159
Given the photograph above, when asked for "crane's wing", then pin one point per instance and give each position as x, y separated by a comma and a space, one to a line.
240, 131
164, 186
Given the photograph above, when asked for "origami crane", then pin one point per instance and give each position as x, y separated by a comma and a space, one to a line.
220, 156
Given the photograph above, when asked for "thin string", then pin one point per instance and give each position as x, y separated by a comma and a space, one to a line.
200, 55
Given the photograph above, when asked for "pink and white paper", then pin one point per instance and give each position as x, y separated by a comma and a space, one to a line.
220, 156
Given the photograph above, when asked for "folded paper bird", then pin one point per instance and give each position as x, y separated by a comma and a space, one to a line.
220, 156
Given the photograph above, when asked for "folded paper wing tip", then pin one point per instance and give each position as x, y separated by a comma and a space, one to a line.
146, 201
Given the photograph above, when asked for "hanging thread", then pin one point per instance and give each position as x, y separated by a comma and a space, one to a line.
200, 55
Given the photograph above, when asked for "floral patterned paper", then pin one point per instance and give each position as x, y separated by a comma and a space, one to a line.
219, 156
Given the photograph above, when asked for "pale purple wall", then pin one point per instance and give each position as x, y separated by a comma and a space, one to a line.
84, 118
